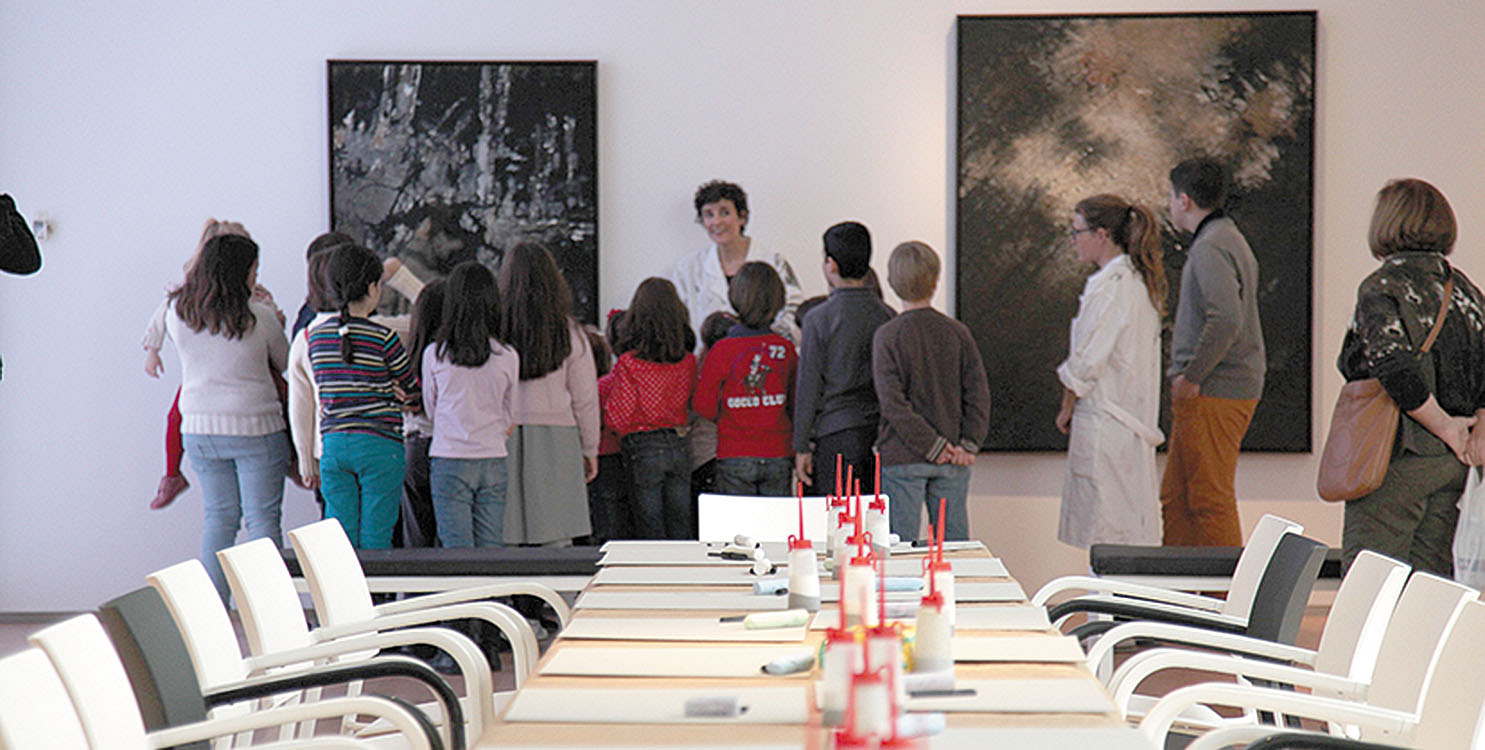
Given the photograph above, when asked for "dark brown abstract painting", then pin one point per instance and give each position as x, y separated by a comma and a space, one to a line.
1053, 109
442, 162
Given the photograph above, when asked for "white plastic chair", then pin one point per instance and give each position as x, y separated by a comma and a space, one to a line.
1232, 611
1423, 623
221, 669
98, 691
342, 598
273, 621
765, 519
35, 712
1348, 647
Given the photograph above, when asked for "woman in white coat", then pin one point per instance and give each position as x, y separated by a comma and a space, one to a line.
701, 278
1111, 379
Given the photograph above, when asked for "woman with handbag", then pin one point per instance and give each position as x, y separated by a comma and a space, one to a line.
1434, 370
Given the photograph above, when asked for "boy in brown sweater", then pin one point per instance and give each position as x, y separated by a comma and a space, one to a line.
935, 401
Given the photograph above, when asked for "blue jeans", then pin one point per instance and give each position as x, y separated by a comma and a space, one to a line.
468, 500
242, 484
659, 465
768, 477
361, 479
910, 486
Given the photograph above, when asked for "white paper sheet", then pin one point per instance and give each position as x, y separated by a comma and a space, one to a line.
1033, 648
1018, 617
668, 660
742, 601
675, 629
1041, 738
1072, 695
781, 704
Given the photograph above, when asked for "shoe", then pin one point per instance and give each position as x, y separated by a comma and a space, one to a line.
171, 485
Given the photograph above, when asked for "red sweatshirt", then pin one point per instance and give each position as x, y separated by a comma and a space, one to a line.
649, 395
747, 388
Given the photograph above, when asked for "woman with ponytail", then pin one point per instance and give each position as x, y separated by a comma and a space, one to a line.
1111, 378
363, 377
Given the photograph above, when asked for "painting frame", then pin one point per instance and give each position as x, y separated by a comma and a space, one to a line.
440, 161
1051, 108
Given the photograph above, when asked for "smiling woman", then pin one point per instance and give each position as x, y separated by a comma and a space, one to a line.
702, 277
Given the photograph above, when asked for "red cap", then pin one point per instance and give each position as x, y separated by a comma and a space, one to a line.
798, 543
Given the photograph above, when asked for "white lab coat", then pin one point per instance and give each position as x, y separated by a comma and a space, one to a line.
699, 279
1110, 493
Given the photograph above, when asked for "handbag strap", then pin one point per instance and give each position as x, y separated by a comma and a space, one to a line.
1438, 320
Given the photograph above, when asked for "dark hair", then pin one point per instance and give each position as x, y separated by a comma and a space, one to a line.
757, 294
657, 327
327, 241
1132, 228
427, 316
719, 190
603, 358
471, 315
216, 292
1411, 215
806, 306
714, 328
316, 285
535, 309
351, 272
1203, 180
873, 283
613, 328
849, 245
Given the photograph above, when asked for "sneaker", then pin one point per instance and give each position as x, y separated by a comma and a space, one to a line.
171, 485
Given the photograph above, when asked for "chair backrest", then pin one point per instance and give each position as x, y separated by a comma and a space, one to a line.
1452, 702
766, 519
155, 658
336, 582
272, 615
1359, 615
1282, 594
35, 711
1425, 612
84, 657
1252, 562
202, 621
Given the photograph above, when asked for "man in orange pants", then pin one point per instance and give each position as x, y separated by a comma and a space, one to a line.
1217, 363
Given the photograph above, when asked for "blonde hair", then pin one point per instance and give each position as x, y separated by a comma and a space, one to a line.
215, 228
1411, 215
912, 271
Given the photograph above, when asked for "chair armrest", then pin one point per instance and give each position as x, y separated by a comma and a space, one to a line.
412, 723
1158, 721
1129, 677
508, 621
1124, 588
1233, 643
1145, 610
474, 593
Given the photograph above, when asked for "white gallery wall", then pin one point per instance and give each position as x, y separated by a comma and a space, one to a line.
128, 123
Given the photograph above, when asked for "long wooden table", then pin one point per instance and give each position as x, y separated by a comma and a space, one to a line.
1022, 729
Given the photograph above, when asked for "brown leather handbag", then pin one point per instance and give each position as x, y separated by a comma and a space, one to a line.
1363, 428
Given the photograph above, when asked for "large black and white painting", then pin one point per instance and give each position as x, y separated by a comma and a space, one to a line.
1053, 109
441, 162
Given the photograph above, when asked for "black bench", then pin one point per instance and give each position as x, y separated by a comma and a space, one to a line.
422, 569
1195, 563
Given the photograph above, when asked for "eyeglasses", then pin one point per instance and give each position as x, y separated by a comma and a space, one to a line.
1074, 232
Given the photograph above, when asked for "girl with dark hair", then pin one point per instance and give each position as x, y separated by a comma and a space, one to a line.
553, 451
363, 376
469, 383
647, 407
419, 524
231, 418
1111, 378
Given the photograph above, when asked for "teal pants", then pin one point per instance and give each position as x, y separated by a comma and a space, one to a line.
361, 479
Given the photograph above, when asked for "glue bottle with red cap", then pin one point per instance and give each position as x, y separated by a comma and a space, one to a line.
877, 522
884, 643
859, 586
938, 573
838, 521
933, 632
842, 658
804, 571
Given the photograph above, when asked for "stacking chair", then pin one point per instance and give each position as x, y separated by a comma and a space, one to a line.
72, 693
1348, 645
273, 621
226, 678
766, 519
1136, 601
1429, 659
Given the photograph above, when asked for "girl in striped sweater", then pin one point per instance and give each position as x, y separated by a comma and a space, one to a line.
363, 377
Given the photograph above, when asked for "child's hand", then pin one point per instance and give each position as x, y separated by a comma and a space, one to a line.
804, 468
590, 468
309, 476
152, 364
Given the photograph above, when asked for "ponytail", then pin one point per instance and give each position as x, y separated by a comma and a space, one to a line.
1132, 228
351, 271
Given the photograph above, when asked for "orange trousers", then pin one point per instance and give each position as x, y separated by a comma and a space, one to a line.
1198, 499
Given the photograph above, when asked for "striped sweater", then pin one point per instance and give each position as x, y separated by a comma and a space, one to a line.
360, 396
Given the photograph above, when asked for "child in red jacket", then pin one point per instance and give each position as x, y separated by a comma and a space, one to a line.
646, 406
747, 388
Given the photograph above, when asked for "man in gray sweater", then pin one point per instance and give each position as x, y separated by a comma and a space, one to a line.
1217, 363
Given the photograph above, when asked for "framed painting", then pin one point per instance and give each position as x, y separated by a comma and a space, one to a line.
1053, 109
442, 162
